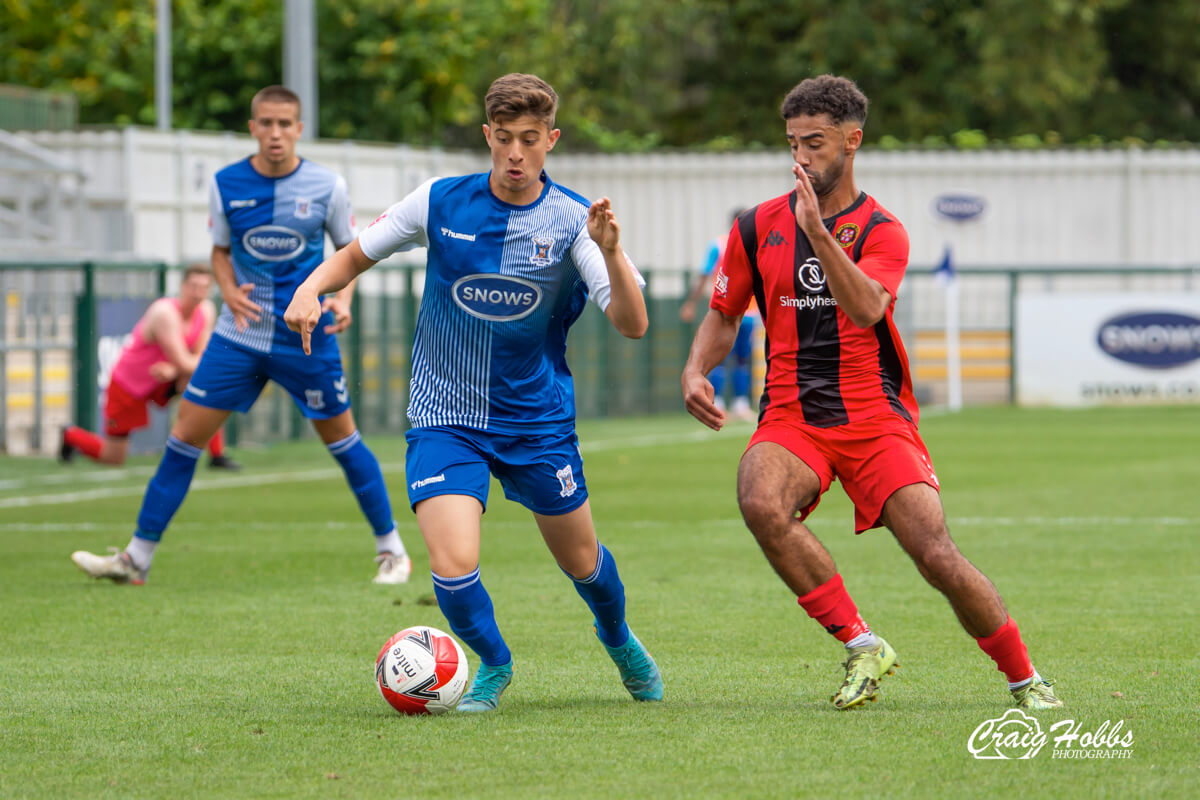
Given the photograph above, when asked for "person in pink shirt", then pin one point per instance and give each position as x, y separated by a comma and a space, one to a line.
154, 365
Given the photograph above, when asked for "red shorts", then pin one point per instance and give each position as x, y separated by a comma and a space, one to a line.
124, 413
872, 458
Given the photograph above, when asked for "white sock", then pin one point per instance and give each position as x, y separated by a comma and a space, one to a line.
141, 552
390, 543
868, 639
1013, 686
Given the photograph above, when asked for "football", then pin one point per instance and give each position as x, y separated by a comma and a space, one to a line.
421, 670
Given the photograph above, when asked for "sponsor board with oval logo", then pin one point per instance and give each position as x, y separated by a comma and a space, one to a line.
498, 298
959, 207
273, 243
1153, 339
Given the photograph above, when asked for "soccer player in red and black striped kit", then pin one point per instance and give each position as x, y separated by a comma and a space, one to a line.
824, 263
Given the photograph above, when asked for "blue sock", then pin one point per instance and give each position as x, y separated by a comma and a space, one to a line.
605, 595
366, 481
468, 609
167, 489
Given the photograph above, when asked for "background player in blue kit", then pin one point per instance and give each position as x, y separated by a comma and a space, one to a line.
738, 363
512, 261
269, 214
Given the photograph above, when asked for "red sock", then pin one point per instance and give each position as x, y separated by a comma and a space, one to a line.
1008, 651
85, 442
830, 605
216, 445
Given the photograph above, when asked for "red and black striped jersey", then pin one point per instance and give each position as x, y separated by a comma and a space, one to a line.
819, 363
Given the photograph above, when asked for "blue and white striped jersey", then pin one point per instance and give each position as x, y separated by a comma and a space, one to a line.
275, 229
503, 284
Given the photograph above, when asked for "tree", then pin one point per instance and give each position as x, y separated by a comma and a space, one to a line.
637, 74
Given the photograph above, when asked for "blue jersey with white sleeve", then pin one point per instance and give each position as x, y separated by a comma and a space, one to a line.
275, 229
503, 284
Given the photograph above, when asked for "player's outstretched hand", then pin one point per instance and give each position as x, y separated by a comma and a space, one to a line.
341, 313
242, 307
603, 226
698, 399
302, 316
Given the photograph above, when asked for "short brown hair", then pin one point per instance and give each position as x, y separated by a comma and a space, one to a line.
517, 94
834, 95
275, 94
197, 268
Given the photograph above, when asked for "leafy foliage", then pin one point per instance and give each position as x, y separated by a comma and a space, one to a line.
640, 74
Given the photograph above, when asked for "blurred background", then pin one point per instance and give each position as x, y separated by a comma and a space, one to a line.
1041, 156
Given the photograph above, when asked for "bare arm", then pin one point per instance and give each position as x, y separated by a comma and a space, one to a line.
714, 339
859, 296
687, 311
626, 307
334, 274
234, 296
164, 328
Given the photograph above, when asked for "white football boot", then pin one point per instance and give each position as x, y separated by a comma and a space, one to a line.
392, 569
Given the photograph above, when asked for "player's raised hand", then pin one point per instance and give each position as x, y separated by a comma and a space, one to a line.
242, 306
698, 399
603, 226
302, 316
808, 208
341, 313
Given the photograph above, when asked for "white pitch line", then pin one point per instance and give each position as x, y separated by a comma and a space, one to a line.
271, 478
98, 476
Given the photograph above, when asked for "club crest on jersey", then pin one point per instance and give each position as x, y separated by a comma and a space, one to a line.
498, 298
273, 243
541, 251
303, 208
810, 275
846, 233
566, 481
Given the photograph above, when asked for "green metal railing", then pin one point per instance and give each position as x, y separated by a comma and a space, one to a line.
48, 311
24, 109
613, 376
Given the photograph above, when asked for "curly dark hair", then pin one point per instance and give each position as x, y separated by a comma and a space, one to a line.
834, 95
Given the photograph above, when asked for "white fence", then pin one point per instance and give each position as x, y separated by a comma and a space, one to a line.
146, 195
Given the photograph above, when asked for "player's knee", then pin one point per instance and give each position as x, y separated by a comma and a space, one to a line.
942, 565
765, 516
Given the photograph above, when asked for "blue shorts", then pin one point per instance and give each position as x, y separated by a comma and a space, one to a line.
543, 473
231, 377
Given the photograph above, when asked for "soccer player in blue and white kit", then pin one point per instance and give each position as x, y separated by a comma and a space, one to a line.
269, 214
512, 261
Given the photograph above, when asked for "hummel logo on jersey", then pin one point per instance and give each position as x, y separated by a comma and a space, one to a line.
449, 234
251, 203
774, 238
340, 387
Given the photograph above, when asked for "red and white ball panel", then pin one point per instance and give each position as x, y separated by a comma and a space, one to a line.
421, 670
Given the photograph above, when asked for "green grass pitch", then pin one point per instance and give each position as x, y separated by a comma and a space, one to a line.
244, 667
